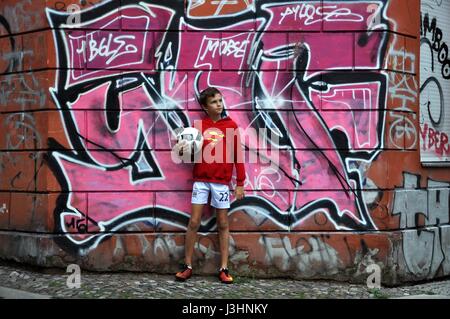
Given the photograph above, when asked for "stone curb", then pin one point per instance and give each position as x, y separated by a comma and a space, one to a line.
424, 297
10, 293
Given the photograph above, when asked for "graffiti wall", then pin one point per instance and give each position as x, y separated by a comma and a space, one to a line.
434, 82
92, 93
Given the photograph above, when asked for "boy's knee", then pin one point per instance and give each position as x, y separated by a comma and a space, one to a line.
194, 225
223, 225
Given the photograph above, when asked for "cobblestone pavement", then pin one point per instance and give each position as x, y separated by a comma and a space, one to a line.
53, 282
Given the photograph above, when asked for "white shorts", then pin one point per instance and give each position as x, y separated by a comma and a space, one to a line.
220, 194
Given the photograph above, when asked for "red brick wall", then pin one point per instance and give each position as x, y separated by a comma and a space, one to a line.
88, 113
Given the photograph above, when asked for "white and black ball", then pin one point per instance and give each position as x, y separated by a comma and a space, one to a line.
190, 140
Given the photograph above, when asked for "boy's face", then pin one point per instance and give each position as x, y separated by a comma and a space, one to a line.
214, 106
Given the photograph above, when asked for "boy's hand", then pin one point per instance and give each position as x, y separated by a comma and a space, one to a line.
239, 192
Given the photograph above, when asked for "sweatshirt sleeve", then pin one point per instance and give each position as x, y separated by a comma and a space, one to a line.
239, 159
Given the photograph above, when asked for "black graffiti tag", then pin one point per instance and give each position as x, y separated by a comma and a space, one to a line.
438, 45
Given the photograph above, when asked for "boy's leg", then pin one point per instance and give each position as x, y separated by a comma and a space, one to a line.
220, 200
191, 232
224, 235
200, 193
191, 236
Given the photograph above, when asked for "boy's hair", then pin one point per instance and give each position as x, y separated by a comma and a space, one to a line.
206, 93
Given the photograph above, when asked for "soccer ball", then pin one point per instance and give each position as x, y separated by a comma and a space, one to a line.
190, 141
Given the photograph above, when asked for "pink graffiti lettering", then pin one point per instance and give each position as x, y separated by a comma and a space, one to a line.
435, 140
323, 109
310, 14
103, 47
226, 47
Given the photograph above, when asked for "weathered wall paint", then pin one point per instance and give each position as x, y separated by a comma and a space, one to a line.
434, 82
88, 115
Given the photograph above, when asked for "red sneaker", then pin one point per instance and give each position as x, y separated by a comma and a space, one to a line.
225, 276
185, 274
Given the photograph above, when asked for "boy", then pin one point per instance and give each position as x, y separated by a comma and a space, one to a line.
213, 174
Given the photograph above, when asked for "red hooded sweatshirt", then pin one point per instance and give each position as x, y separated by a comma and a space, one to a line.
221, 151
